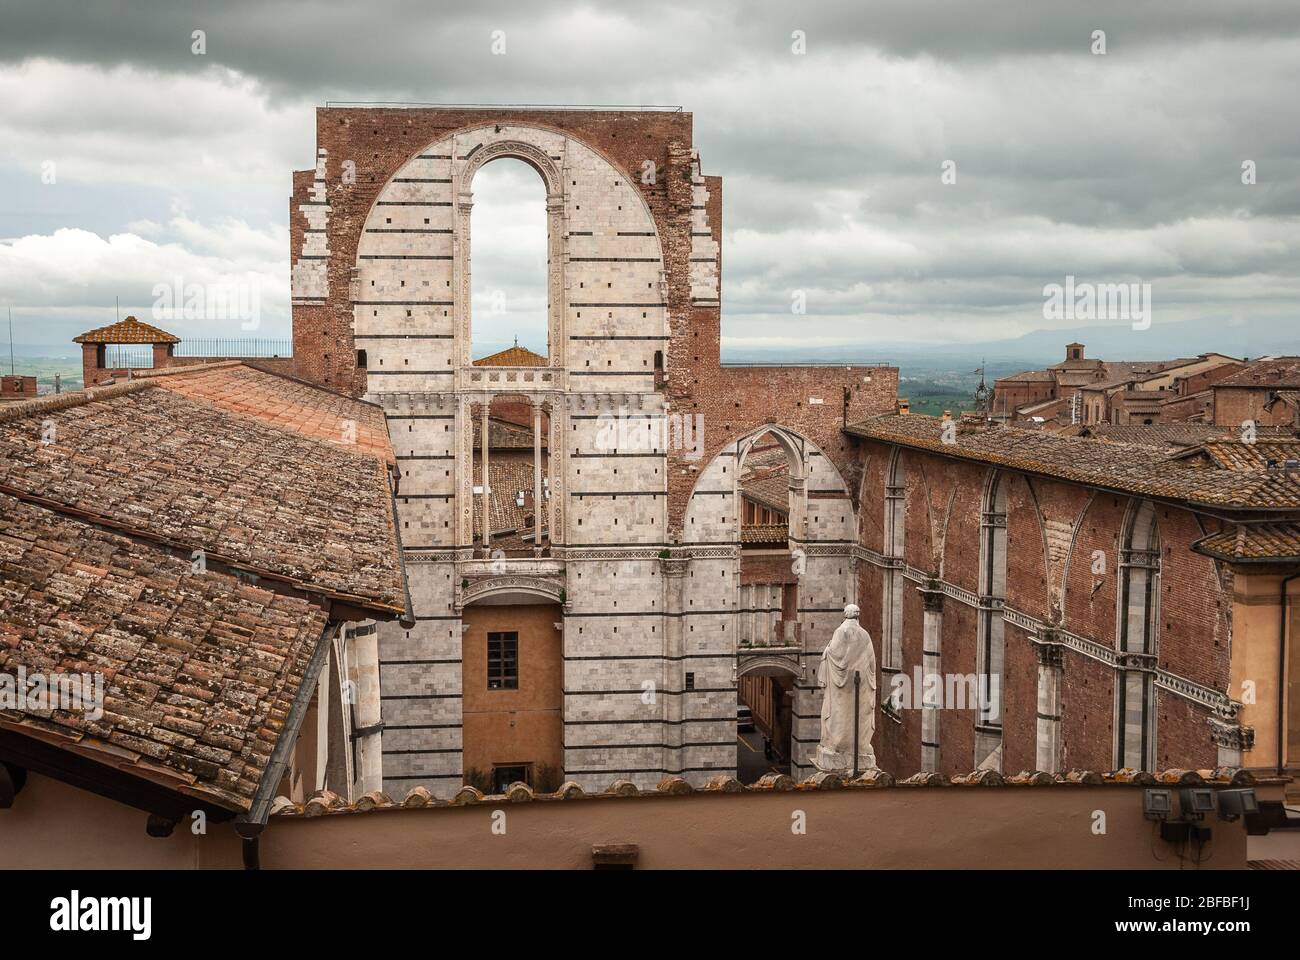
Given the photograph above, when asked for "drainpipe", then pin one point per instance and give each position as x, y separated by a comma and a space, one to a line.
1285, 607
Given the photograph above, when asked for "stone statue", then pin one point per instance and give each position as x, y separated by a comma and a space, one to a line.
849, 650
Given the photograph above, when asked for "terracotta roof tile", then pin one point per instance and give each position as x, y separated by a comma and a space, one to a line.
129, 330
284, 402
508, 478
515, 356
198, 669
1258, 542
1278, 372
189, 473
1231, 453
1144, 471
764, 533
1163, 436
504, 435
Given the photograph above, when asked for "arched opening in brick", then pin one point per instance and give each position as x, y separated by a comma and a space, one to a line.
769, 607
508, 264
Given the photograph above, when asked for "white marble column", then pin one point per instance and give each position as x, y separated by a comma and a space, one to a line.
537, 479
931, 667
1047, 751
483, 444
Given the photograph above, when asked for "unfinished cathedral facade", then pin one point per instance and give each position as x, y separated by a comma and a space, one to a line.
589, 614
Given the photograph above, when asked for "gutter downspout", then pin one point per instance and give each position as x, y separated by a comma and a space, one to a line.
1285, 607
407, 619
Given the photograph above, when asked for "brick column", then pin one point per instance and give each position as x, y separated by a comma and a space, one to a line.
1051, 661
931, 666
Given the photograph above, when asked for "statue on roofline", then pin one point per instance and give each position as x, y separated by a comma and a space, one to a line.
847, 676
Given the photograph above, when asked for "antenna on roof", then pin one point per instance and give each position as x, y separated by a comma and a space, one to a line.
117, 307
11, 341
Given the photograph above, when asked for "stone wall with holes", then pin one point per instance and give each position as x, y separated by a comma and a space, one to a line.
1056, 533
421, 685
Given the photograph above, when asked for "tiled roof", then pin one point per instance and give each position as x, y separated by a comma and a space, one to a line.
764, 533
508, 478
772, 490
129, 330
326, 802
199, 670
1143, 471
1290, 397
283, 401
1231, 453
1259, 542
1162, 436
1043, 408
1036, 376
515, 356
504, 435
188, 473
1277, 372
766, 478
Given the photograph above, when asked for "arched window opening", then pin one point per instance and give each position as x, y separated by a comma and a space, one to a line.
769, 603
508, 264
1138, 616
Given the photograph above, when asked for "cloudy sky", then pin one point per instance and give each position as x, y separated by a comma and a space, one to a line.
127, 160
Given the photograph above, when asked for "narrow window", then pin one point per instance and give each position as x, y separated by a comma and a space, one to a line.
503, 661
891, 627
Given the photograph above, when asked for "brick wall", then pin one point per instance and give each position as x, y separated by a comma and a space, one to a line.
1235, 405
1054, 531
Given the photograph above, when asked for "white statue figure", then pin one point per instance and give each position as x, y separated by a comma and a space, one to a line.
849, 651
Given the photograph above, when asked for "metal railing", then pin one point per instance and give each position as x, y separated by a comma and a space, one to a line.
806, 363
234, 347
505, 106
128, 356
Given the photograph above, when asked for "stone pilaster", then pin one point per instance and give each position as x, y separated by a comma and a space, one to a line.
1051, 662
932, 675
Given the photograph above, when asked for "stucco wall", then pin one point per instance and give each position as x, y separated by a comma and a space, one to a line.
962, 827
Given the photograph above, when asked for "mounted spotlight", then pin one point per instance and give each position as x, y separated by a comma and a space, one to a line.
1234, 804
1157, 804
1196, 802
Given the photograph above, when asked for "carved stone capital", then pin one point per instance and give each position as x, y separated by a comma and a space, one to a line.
932, 596
1050, 654
1232, 736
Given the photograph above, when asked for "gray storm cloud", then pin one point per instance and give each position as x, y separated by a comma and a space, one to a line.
1114, 167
